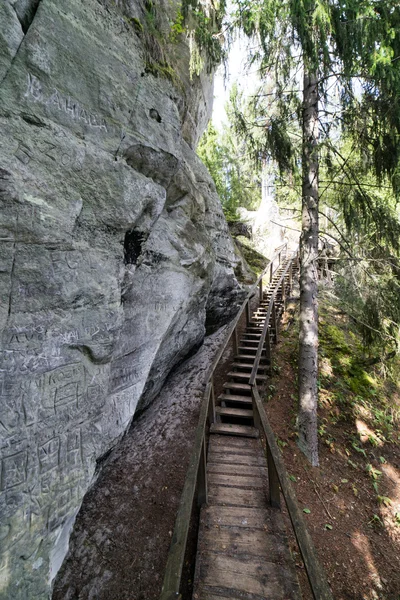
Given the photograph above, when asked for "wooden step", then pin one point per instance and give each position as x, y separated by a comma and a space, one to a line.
234, 412
244, 356
232, 385
248, 350
255, 336
241, 375
249, 342
236, 430
236, 399
242, 365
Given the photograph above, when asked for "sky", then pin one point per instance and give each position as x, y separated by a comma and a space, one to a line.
236, 72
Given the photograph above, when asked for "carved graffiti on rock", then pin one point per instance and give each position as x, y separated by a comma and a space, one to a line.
68, 105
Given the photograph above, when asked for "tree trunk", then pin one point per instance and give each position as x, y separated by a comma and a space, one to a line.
308, 341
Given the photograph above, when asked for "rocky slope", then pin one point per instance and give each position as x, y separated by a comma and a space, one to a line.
114, 253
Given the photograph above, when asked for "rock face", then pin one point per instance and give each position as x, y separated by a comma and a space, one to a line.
114, 253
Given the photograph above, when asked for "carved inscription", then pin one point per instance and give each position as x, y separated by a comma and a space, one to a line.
62, 387
49, 455
13, 470
164, 306
62, 103
123, 377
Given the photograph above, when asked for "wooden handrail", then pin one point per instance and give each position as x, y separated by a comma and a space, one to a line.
266, 323
315, 572
176, 555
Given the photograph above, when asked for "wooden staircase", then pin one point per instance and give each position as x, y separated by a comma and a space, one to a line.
234, 406
242, 550
237, 481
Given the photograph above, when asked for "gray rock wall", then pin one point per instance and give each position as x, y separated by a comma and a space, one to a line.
113, 252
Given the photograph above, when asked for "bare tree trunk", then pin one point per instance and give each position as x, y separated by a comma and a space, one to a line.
308, 342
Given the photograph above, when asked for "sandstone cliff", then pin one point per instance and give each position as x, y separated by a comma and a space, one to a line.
114, 253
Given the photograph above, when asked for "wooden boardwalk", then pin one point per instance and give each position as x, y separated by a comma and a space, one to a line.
242, 548
243, 551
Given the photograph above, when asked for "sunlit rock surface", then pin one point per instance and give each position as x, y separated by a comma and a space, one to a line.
114, 252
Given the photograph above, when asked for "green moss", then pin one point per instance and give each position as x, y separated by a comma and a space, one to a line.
256, 261
348, 385
137, 24
335, 339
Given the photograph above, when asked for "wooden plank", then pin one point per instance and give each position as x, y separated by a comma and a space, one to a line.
250, 357
232, 385
239, 459
247, 350
239, 481
235, 398
244, 541
230, 449
229, 429
235, 412
241, 365
220, 495
264, 519
235, 469
242, 443
246, 376
253, 576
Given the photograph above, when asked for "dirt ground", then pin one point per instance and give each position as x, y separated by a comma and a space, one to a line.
355, 529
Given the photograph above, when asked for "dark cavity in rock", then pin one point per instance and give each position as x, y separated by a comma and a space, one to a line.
133, 246
154, 114
26, 11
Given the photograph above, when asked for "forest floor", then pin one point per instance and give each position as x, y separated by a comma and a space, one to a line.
351, 502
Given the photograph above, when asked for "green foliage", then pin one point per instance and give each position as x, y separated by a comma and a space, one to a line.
177, 26
203, 23
351, 387
237, 180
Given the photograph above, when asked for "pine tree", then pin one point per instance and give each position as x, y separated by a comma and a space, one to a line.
328, 40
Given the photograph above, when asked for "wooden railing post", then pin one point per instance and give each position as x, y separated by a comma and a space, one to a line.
275, 322
271, 269
274, 493
202, 477
261, 290
268, 346
211, 404
235, 341
256, 414
290, 278
248, 316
